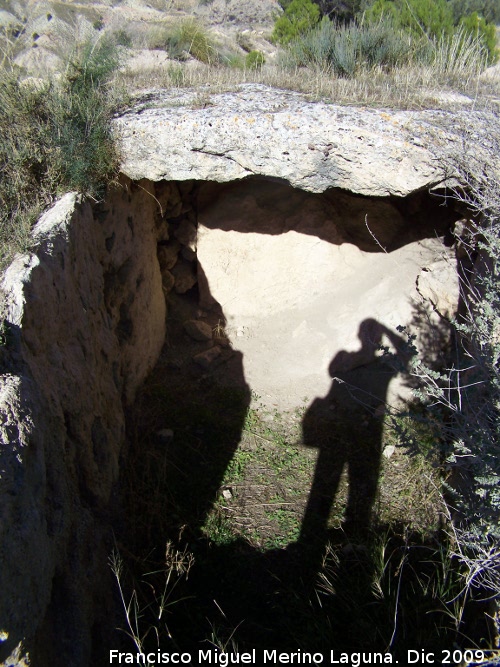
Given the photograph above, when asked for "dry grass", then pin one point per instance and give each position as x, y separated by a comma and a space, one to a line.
409, 87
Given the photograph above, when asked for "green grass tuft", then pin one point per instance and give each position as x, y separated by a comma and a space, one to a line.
189, 37
254, 60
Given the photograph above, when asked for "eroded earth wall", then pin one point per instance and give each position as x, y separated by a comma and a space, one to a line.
85, 317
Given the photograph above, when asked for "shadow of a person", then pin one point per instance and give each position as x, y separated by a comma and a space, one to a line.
346, 427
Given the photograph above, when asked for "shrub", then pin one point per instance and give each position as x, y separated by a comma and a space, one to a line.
177, 75
488, 9
461, 54
429, 17
122, 38
299, 17
80, 113
27, 177
485, 32
54, 137
344, 48
434, 19
158, 38
244, 42
463, 401
190, 37
90, 66
232, 60
340, 10
254, 60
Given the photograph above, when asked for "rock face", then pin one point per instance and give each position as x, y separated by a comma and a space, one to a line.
276, 133
297, 275
308, 234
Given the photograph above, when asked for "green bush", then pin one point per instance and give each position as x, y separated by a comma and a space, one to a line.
299, 17
254, 60
485, 32
343, 49
429, 17
434, 19
488, 9
341, 10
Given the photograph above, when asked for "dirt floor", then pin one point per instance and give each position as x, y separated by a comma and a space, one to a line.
252, 528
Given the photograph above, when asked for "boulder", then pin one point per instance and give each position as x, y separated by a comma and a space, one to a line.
197, 330
168, 254
206, 359
313, 146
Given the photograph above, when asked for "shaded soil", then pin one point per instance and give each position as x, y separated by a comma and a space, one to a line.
228, 536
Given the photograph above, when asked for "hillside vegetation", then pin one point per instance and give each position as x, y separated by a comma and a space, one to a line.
55, 136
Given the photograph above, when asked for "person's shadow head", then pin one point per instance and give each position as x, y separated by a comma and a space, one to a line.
370, 335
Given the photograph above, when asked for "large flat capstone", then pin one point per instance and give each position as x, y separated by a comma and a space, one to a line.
258, 131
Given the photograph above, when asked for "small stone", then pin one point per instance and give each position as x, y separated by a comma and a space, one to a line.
185, 276
173, 210
167, 281
168, 254
226, 494
206, 359
186, 234
198, 330
188, 254
388, 451
162, 234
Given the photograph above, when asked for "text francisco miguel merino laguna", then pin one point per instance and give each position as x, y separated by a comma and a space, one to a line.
270, 657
